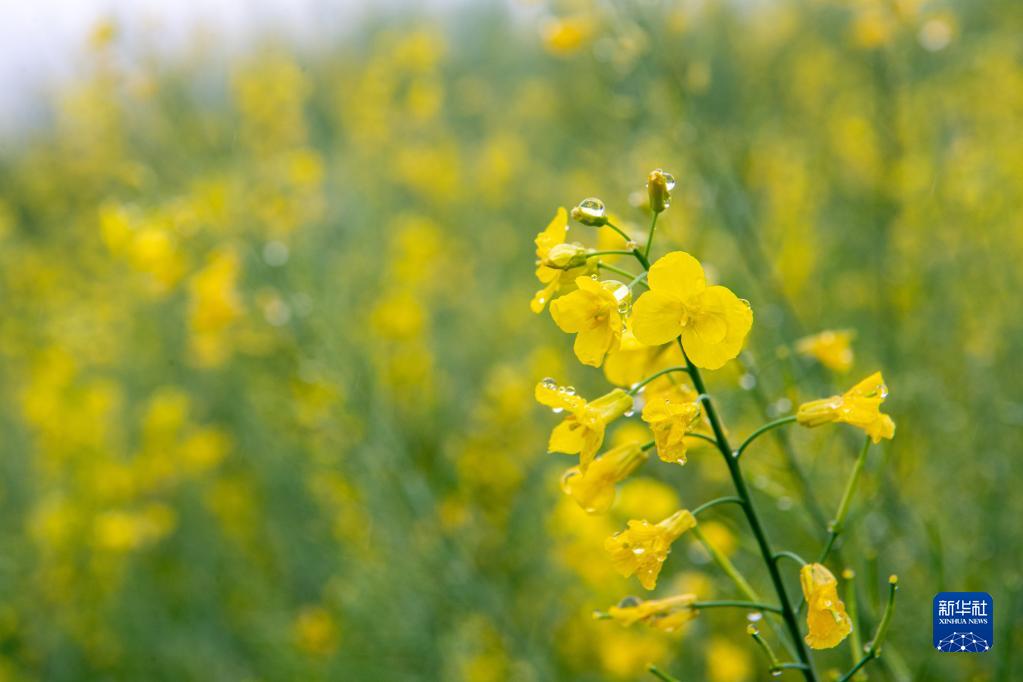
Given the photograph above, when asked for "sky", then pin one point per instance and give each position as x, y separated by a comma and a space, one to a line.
40, 40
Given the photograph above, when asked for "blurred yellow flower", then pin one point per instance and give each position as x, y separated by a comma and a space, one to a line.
566, 35
727, 662
593, 313
594, 489
670, 420
712, 321
582, 431
315, 631
833, 349
666, 614
215, 305
642, 548
860, 406
826, 620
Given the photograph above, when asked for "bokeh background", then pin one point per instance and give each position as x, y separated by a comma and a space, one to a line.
267, 359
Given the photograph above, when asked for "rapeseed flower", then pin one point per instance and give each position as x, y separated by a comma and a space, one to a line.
553, 258
860, 406
833, 349
666, 614
826, 620
712, 321
582, 431
594, 488
642, 548
593, 313
671, 419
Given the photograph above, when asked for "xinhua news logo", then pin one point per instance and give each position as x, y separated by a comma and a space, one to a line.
964, 622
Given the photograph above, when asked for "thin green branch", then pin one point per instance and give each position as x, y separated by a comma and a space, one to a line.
612, 252
635, 252
874, 648
836, 526
620, 231
761, 431
650, 236
853, 609
660, 674
656, 375
790, 555
618, 271
725, 603
713, 503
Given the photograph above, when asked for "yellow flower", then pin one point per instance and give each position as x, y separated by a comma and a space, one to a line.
712, 321
592, 313
642, 548
664, 614
582, 431
594, 489
859, 406
826, 619
557, 262
670, 419
832, 349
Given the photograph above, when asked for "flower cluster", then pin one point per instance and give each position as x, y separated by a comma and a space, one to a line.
679, 325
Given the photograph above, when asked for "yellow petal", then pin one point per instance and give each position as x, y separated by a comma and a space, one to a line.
677, 273
657, 318
568, 437
591, 345
574, 311
554, 233
719, 307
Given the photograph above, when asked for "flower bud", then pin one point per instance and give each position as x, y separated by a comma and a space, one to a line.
590, 212
565, 256
658, 186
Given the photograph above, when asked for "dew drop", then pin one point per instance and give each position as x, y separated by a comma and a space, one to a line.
754, 617
592, 208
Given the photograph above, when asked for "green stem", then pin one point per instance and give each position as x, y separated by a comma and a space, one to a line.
635, 252
713, 503
620, 231
781, 438
636, 388
852, 606
753, 519
702, 436
650, 236
612, 252
649, 445
660, 674
726, 565
790, 555
618, 271
755, 606
835, 527
874, 648
761, 431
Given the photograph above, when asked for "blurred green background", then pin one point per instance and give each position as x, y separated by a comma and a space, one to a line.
267, 358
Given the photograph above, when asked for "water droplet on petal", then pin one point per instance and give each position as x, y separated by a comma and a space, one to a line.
754, 617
